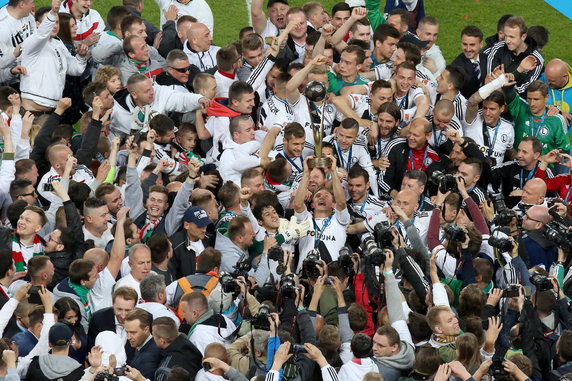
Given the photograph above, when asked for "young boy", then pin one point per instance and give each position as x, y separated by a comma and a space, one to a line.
110, 76
185, 143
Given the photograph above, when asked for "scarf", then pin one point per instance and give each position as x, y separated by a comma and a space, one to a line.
443, 339
82, 292
147, 230
185, 157
139, 65
18, 250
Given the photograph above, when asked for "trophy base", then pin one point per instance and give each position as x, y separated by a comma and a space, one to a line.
320, 162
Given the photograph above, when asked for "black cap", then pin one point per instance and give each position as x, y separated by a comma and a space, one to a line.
414, 40
60, 334
272, 2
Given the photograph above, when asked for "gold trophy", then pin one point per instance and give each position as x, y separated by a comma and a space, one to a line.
316, 92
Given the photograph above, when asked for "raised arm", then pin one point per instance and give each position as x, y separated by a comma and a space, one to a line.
7, 166
118, 249
258, 16
357, 14
300, 77
339, 194
300, 195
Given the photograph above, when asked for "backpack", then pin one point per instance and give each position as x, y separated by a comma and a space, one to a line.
188, 288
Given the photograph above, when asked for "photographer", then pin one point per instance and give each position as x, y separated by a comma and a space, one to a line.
533, 243
216, 367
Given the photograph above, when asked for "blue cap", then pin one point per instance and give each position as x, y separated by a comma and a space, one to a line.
60, 334
198, 216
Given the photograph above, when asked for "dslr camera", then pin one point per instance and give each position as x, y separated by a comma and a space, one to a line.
454, 232
542, 282
445, 181
504, 245
312, 264
503, 215
288, 286
372, 254
383, 232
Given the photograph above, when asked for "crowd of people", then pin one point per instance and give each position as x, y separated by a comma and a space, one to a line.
324, 198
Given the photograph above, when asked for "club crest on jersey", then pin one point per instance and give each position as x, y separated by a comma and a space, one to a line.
504, 138
543, 131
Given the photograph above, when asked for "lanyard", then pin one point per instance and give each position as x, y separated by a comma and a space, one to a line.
320, 232
422, 203
403, 103
486, 136
530, 174
340, 156
532, 122
413, 159
300, 170
361, 209
437, 140
568, 193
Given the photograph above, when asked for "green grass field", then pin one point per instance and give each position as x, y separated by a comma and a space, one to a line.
231, 15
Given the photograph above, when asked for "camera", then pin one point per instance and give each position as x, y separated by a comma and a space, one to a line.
511, 291
504, 245
496, 370
383, 233
48, 187
542, 282
312, 264
446, 182
454, 232
370, 251
229, 284
276, 253
288, 286
260, 321
503, 215
559, 234
120, 371
297, 349
345, 261
106, 376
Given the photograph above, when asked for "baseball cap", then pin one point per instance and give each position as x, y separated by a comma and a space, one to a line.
414, 40
272, 2
198, 216
60, 334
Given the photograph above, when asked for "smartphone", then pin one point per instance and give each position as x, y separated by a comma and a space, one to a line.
48, 187
268, 40
207, 366
562, 159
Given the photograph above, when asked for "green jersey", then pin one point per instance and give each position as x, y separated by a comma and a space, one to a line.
336, 83
551, 130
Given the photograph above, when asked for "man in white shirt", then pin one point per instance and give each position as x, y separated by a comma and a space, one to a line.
140, 264
16, 22
228, 62
199, 47
328, 231
95, 222
449, 85
276, 21
206, 326
428, 30
154, 295
241, 150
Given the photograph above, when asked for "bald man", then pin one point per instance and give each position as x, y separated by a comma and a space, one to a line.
558, 76
406, 204
199, 48
444, 121
541, 251
534, 192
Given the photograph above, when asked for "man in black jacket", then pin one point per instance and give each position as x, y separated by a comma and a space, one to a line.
141, 350
177, 350
113, 318
473, 62
174, 32
189, 243
510, 53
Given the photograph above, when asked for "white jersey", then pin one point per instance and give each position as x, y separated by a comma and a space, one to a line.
199, 9
493, 141
371, 210
383, 71
223, 83
438, 138
331, 231
460, 106
276, 112
361, 105
81, 175
445, 262
270, 30
421, 221
90, 23
407, 104
203, 60
14, 31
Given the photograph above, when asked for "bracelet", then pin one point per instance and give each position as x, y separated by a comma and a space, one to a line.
194, 178
387, 272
